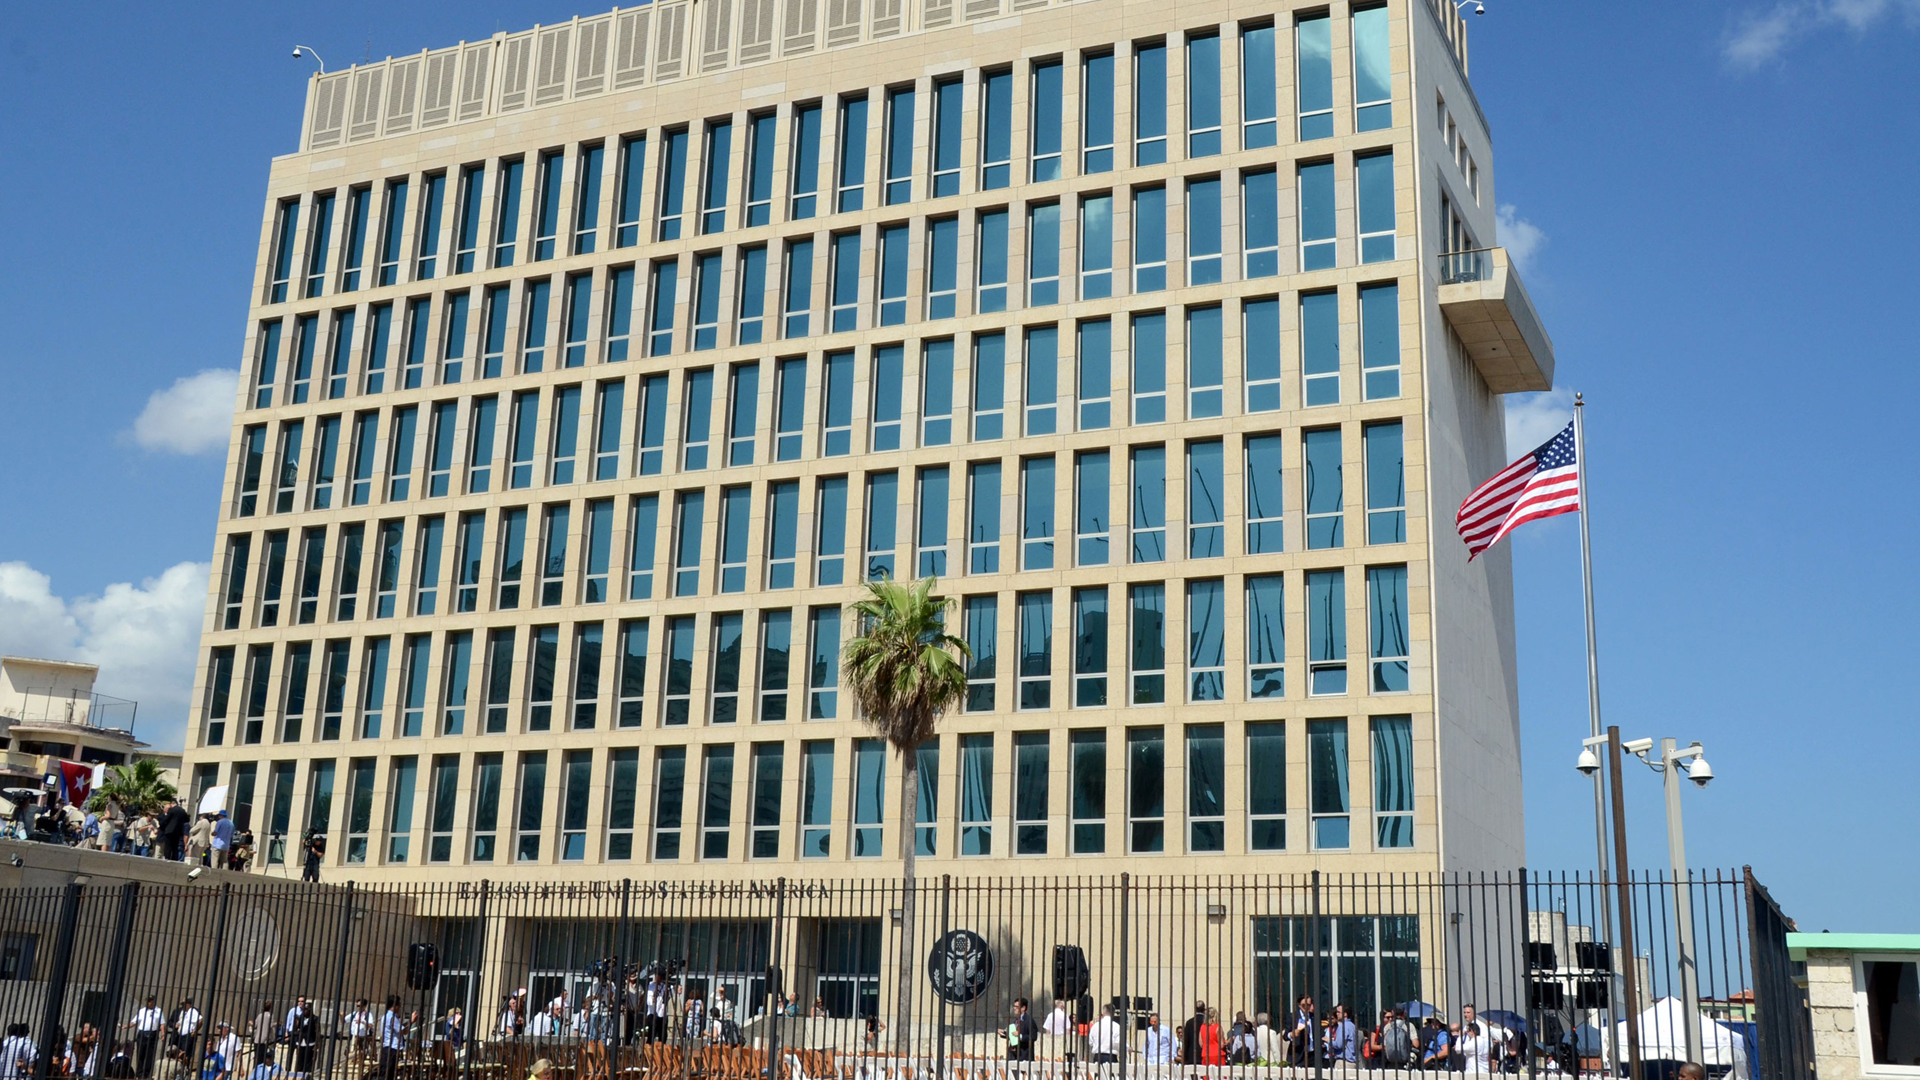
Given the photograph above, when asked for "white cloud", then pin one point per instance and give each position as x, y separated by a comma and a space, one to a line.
1522, 238
1534, 418
193, 416
144, 637
1759, 37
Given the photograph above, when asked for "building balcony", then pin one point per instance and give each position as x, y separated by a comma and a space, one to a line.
1483, 300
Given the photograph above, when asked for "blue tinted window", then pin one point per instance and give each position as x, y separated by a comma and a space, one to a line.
996, 130
1373, 177
1203, 95
947, 99
1149, 239
1260, 214
1313, 50
806, 161
1150, 105
1259, 102
1320, 347
1096, 125
853, 153
1203, 232
673, 184
1325, 497
1317, 216
1046, 133
799, 299
899, 164
993, 261
1260, 339
1372, 70
1380, 340
893, 275
713, 206
760, 169
633, 155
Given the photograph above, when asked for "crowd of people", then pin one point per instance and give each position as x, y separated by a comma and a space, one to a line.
1302, 1039
170, 832
181, 1043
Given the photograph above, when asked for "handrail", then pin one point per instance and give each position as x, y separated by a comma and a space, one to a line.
1459, 267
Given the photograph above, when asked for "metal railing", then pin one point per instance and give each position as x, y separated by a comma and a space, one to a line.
806, 975
1465, 266
93, 710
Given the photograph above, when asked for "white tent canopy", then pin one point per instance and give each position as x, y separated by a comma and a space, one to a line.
1663, 1037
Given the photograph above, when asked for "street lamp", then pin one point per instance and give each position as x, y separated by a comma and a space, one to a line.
1672, 763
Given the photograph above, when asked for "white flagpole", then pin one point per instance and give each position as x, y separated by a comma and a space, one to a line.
1593, 691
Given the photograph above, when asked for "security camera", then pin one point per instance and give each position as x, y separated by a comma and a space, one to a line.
1479, 9
297, 54
17, 861
1700, 772
1588, 764
194, 874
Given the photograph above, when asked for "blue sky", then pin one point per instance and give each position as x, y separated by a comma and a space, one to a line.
1717, 202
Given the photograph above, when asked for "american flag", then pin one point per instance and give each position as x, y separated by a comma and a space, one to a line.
1539, 485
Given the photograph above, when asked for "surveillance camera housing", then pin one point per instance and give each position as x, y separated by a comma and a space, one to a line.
1587, 763
1700, 772
296, 52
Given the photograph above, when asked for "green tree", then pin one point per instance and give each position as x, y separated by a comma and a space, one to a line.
139, 788
906, 672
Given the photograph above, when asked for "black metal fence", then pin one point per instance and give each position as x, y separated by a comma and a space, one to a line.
1497, 972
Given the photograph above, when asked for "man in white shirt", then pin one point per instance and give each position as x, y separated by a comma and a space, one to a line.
393, 1038
1474, 1048
1163, 1047
1268, 1045
1057, 1022
360, 1030
185, 1024
148, 1024
17, 1054
659, 1001
1103, 1041
227, 1045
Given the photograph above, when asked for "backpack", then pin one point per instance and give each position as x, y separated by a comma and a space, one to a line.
1396, 1046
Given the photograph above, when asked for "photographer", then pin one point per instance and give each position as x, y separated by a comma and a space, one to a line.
313, 848
659, 1000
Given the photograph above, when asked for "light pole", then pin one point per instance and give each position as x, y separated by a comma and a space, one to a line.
1672, 759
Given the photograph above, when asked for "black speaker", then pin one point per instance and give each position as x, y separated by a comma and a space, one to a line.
1541, 957
423, 966
1070, 976
1547, 995
1593, 955
1083, 1009
1591, 994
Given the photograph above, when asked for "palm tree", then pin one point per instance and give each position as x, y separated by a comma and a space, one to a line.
139, 788
905, 671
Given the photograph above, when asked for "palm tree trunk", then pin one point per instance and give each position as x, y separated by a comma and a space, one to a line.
909, 847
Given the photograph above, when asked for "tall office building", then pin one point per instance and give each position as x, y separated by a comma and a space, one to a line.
591, 369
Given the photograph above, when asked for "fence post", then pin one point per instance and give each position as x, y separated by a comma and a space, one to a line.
479, 967
340, 974
200, 1034
1532, 1037
1316, 1041
1126, 998
117, 964
777, 962
57, 985
940, 1000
